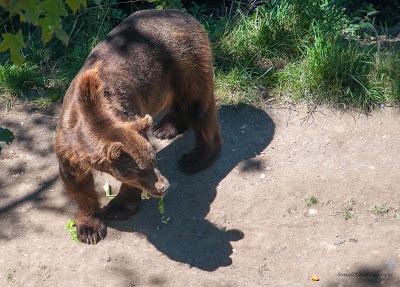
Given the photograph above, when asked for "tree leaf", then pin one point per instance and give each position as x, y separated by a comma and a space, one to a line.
62, 36
53, 8
28, 11
5, 4
14, 43
76, 4
6, 135
51, 23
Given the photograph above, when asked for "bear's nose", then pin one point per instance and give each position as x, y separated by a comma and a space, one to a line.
162, 185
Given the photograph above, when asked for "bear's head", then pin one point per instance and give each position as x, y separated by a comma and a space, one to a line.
131, 158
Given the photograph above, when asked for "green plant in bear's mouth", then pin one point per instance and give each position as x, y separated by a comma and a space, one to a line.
164, 219
145, 195
161, 208
108, 190
71, 228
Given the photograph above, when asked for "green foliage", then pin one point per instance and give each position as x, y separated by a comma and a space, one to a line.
311, 201
26, 82
381, 209
341, 73
108, 190
278, 28
70, 226
51, 24
14, 43
348, 212
10, 275
236, 85
167, 4
382, 13
302, 50
76, 4
197, 10
89, 30
161, 209
18, 80
250, 48
297, 50
6, 136
44, 14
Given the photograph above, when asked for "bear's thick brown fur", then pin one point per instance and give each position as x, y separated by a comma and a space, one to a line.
154, 61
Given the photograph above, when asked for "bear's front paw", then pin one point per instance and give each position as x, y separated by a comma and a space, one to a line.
90, 230
165, 130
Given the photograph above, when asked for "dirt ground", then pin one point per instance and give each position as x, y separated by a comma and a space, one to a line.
242, 222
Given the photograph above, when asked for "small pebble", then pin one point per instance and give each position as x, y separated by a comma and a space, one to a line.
339, 242
391, 264
262, 175
312, 211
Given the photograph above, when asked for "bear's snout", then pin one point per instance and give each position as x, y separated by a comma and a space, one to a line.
162, 183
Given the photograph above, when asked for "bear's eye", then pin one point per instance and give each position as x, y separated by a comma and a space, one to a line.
145, 170
125, 160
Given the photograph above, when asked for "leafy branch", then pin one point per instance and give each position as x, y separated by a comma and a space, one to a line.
6, 136
44, 14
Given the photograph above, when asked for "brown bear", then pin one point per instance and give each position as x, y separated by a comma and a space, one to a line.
154, 61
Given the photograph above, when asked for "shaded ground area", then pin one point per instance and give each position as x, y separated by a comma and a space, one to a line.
243, 222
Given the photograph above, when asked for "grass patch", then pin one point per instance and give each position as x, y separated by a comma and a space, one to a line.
9, 275
380, 209
19, 80
311, 201
27, 82
296, 50
341, 72
348, 212
70, 226
48, 70
319, 58
236, 86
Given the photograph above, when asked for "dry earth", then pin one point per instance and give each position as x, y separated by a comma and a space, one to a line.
242, 222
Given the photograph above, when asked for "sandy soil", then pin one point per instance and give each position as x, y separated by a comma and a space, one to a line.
242, 222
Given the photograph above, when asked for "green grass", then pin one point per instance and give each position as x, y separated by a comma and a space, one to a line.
381, 209
9, 275
322, 63
340, 72
70, 227
348, 212
236, 86
300, 51
27, 82
19, 80
311, 201
48, 70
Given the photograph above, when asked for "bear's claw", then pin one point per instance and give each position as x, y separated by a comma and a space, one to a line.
91, 231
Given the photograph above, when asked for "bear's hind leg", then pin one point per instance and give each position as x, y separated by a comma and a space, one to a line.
125, 204
208, 139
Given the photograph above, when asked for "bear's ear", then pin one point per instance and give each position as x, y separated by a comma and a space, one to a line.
143, 123
112, 151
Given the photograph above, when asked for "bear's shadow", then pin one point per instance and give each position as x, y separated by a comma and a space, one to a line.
188, 236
